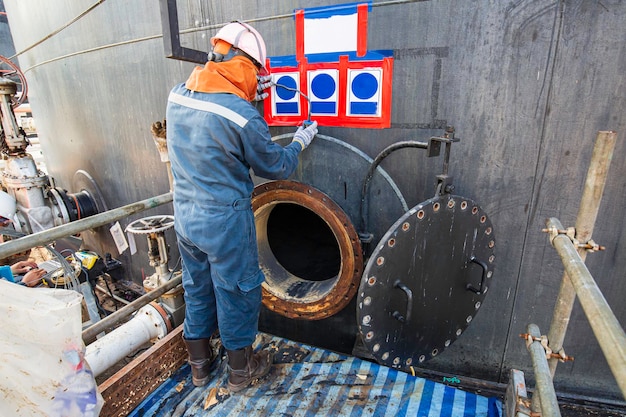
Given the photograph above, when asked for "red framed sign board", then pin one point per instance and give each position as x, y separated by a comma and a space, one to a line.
346, 88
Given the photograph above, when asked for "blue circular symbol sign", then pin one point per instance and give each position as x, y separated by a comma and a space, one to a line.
323, 86
289, 82
364, 86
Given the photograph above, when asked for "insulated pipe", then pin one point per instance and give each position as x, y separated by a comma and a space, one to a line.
91, 332
604, 324
585, 221
46, 236
545, 387
105, 352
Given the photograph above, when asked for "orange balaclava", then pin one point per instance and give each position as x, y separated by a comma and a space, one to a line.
236, 76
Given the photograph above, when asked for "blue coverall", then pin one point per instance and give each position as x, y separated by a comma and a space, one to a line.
6, 273
213, 141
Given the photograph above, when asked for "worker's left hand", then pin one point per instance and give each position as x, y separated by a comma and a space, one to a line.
264, 82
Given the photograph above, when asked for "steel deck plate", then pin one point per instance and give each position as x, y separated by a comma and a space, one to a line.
307, 381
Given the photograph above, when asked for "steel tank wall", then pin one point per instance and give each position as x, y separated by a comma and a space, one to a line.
527, 84
6, 41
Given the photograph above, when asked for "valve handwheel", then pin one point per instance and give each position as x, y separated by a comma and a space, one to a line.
10, 71
151, 224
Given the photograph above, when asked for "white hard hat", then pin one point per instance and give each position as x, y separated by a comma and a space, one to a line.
244, 37
8, 207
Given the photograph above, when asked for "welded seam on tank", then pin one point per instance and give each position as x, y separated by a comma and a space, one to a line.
146, 38
65, 26
363, 155
536, 185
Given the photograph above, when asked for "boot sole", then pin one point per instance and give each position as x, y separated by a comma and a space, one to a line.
201, 382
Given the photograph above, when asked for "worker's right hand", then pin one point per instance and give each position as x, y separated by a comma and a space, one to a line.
304, 135
33, 277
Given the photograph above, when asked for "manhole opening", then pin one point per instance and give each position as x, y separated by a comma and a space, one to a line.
303, 243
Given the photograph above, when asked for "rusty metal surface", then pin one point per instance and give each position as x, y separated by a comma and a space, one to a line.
289, 294
123, 391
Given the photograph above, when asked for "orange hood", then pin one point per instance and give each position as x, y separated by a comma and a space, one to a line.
235, 76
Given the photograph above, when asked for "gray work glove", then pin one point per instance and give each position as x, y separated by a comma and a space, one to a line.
264, 82
304, 135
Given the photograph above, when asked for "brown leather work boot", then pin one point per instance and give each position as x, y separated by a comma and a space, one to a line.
246, 367
201, 357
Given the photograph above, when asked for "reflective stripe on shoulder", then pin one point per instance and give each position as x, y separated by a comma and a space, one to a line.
220, 110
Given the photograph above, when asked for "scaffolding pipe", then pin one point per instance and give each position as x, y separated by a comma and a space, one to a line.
585, 221
91, 332
605, 325
46, 236
545, 387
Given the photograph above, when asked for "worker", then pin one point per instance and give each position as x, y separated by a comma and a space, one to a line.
32, 273
215, 135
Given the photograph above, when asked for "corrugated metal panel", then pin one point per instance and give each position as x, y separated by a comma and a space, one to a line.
307, 381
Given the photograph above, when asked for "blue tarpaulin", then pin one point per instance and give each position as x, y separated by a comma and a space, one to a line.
307, 381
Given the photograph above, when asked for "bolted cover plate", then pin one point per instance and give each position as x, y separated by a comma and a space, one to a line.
426, 280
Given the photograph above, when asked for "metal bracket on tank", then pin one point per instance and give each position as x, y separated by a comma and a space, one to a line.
171, 35
444, 181
433, 149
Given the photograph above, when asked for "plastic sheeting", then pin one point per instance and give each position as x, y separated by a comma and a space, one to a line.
43, 371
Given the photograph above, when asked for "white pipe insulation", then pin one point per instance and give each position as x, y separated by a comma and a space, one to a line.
147, 324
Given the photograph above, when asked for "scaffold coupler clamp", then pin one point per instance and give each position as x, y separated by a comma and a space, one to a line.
523, 407
560, 355
570, 232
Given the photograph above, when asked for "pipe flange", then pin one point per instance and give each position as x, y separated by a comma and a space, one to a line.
59, 205
283, 291
156, 318
84, 182
166, 318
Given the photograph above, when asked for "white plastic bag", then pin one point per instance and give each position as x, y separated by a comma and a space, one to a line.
42, 370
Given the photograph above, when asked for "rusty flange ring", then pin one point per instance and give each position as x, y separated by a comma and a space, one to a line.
315, 300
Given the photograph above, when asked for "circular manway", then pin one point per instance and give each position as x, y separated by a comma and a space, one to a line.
426, 280
309, 250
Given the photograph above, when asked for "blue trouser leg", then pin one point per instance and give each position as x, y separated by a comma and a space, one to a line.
221, 274
200, 309
238, 315
235, 309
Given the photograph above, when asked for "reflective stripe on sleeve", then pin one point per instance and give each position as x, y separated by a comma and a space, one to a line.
217, 109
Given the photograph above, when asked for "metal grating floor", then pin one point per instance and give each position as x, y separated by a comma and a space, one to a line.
307, 381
